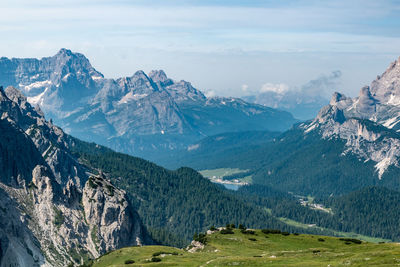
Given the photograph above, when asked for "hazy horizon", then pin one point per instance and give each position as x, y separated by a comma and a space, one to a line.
227, 48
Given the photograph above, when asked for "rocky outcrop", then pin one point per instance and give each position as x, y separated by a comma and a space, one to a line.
368, 123
112, 220
50, 212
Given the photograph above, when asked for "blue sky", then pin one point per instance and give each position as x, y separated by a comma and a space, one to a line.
220, 46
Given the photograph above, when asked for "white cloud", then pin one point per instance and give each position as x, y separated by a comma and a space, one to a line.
219, 45
210, 93
279, 88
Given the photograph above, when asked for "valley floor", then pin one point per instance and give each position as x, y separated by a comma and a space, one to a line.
261, 249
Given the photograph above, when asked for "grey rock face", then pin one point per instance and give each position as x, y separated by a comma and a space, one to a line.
50, 213
113, 222
368, 123
57, 83
142, 115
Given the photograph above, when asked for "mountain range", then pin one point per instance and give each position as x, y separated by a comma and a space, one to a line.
64, 201
303, 102
143, 115
351, 143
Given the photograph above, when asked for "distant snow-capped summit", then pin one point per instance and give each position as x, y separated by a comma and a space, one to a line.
141, 114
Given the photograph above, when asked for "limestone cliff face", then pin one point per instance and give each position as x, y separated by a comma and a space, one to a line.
51, 212
369, 123
112, 221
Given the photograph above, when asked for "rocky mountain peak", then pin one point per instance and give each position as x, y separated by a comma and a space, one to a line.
70, 62
158, 76
386, 88
361, 121
64, 52
366, 105
330, 114
337, 97
15, 95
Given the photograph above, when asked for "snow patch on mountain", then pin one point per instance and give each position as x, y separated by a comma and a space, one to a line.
40, 84
131, 97
38, 99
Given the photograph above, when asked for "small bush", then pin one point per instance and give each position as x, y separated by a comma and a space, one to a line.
248, 232
226, 231
321, 240
252, 239
351, 240
271, 231
92, 184
212, 228
58, 217
241, 227
129, 262
295, 233
285, 233
110, 190
154, 259
202, 238
155, 254
316, 251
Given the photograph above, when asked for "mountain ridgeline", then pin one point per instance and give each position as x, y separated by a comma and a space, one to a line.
351, 144
143, 115
54, 210
65, 201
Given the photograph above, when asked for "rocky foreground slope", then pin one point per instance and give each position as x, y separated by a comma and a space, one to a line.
52, 210
259, 248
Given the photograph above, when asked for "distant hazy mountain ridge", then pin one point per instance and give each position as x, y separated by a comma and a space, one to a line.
352, 143
142, 114
304, 102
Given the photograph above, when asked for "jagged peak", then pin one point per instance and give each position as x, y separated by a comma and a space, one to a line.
394, 64
15, 95
336, 97
140, 74
329, 112
66, 55
158, 76
64, 51
365, 92
386, 87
